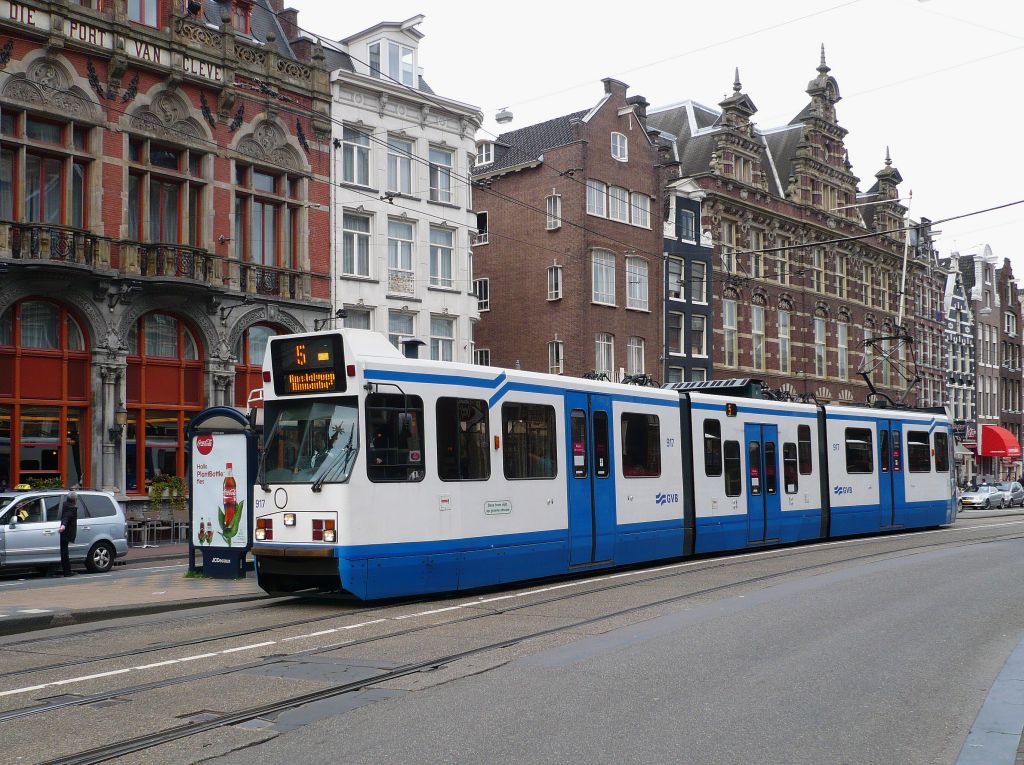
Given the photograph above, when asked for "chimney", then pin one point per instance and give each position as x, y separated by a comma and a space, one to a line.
289, 19
276, 5
615, 87
639, 104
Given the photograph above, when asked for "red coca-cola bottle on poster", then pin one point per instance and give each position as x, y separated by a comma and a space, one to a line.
229, 497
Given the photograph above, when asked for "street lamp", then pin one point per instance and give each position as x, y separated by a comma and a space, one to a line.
120, 420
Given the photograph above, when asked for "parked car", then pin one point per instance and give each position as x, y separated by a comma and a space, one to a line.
1013, 493
986, 496
30, 529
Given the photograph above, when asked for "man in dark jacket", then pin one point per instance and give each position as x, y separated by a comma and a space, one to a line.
68, 530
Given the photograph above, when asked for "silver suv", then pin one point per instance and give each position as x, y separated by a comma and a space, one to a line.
30, 529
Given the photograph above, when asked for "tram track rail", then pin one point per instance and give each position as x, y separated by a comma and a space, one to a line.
714, 562
148, 741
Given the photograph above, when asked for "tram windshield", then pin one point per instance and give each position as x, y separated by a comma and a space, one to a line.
312, 442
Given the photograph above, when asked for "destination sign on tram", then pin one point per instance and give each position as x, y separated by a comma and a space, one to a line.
308, 364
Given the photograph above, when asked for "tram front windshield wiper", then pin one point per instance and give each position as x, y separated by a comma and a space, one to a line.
335, 465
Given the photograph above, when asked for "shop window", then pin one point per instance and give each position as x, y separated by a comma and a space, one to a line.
164, 391
44, 394
249, 352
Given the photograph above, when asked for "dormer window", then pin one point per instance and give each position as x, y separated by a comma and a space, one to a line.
620, 147
241, 11
391, 60
484, 153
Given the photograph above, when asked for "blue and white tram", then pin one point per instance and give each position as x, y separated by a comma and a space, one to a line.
385, 476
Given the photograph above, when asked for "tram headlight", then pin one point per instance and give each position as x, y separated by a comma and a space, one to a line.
289, 519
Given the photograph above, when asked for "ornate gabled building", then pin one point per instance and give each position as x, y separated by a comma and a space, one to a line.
573, 265
164, 173
960, 368
807, 269
404, 228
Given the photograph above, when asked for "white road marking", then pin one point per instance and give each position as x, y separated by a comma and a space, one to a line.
478, 601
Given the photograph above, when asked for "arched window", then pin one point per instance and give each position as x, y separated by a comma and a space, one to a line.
44, 395
165, 389
249, 352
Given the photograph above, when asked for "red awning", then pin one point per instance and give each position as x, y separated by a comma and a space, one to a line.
998, 442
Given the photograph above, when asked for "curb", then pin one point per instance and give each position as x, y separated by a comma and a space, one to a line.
19, 624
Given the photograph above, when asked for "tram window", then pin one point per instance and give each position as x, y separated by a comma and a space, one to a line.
602, 459
919, 458
883, 436
641, 445
529, 449
859, 457
733, 477
789, 470
463, 452
941, 452
754, 465
771, 475
712, 447
394, 430
803, 437
578, 426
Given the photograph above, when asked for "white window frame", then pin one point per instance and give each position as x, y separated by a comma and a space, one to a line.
785, 320
482, 357
145, 12
482, 290
350, 240
553, 205
699, 351
635, 348
355, 159
676, 287
640, 210
556, 357
484, 154
683, 215
757, 336
728, 246
597, 198
404, 70
604, 354
442, 345
820, 349
400, 165
843, 343
400, 250
620, 147
729, 334
554, 282
396, 334
442, 258
602, 277
818, 271
637, 284
841, 276
618, 204
676, 328
699, 267
482, 235
441, 189
351, 312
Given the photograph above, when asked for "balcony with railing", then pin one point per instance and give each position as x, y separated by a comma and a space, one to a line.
269, 281
171, 262
55, 244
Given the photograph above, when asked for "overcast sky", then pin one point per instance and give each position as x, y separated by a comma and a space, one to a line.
937, 81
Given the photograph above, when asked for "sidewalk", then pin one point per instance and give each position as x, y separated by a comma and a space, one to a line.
129, 590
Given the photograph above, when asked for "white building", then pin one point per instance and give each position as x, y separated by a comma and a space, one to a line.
403, 224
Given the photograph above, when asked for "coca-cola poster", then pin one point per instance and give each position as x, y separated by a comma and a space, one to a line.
219, 489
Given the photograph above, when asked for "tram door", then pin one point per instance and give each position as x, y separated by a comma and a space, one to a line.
890, 471
591, 479
764, 511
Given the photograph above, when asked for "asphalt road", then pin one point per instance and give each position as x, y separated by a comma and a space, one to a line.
879, 650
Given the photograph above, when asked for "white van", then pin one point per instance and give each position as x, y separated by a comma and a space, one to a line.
30, 529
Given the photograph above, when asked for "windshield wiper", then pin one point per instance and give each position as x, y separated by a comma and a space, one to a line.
335, 465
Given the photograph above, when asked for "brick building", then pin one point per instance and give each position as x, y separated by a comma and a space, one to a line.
573, 260
806, 267
164, 174
960, 368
